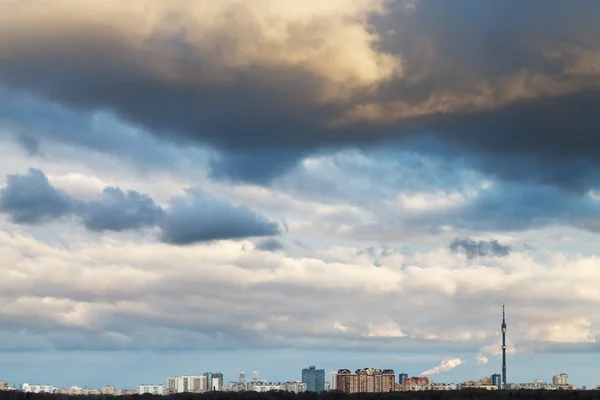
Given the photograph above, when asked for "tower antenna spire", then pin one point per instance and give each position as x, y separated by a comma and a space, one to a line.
503, 343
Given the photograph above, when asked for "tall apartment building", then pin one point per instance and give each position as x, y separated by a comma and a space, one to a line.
314, 379
334, 380
242, 377
347, 382
560, 380
187, 384
367, 380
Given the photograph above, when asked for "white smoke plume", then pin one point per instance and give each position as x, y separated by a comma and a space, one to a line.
446, 365
481, 359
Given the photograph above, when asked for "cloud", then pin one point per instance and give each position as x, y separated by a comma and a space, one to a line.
31, 199
109, 294
200, 217
270, 245
481, 359
268, 83
446, 365
118, 211
473, 248
196, 217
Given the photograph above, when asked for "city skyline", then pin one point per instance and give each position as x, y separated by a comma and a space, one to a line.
265, 185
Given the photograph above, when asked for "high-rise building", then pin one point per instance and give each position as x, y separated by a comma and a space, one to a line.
314, 379
560, 379
347, 382
401, 378
255, 376
187, 384
334, 380
219, 376
497, 381
209, 378
242, 377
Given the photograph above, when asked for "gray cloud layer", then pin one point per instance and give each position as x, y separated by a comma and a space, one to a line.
473, 248
31, 199
197, 217
476, 76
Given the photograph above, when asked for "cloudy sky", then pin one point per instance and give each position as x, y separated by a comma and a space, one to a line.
258, 185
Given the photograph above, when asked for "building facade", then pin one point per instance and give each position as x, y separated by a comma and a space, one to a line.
187, 384
264, 386
560, 380
333, 381
401, 378
27, 388
497, 380
314, 379
151, 389
367, 380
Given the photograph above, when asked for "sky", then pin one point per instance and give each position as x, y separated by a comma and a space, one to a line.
192, 186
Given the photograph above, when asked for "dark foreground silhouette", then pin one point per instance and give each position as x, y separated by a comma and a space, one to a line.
430, 395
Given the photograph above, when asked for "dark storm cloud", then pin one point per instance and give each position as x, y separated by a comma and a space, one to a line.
197, 217
473, 248
269, 245
119, 211
502, 79
31, 199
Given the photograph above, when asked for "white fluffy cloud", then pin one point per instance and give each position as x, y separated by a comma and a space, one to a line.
123, 294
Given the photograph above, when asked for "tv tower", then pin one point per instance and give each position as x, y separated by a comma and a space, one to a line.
503, 345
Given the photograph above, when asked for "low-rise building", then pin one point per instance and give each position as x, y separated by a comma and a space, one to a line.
27, 388
151, 389
3, 385
109, 390
264, 386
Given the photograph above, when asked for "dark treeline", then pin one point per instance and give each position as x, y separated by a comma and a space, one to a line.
430, 395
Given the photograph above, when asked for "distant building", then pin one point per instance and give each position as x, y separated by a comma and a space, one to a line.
333, 380
187, 384
560, 380
151, 389
219, 376
242, 377
415, 383
3, 385
109, 390
347, 382
216, 385
263, 386
327, 386
367, 380
27, 388
209, 378
314, 379
497, 380
401, 378
255, 376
